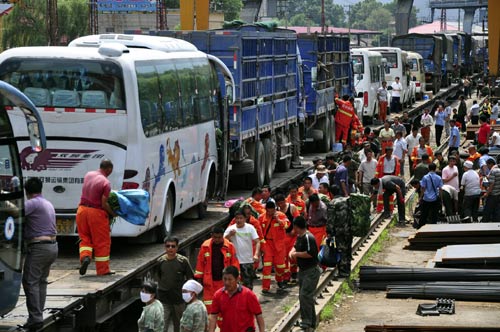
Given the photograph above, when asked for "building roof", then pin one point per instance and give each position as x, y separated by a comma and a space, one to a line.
436, 27
334, 30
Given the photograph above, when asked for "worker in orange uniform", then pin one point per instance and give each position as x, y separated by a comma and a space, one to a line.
343, 119
92, 219
294, 198
419, 151
291, 212
255, 199
356, 131
306, 189
274, 223
215, 254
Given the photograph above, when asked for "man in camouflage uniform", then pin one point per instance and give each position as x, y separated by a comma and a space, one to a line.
339, 224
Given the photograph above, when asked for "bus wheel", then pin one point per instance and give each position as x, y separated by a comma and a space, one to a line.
270, 156
258, 177
165, 228
325, 144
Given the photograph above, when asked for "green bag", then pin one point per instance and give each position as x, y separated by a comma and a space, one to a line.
360, 209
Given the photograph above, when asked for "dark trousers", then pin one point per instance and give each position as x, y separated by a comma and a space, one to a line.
491, 212
395, 105
308, 281
247, 274
439, 133
470, 206
401, 205
474, 119
463, 125
410, 164
36, 270
430, 212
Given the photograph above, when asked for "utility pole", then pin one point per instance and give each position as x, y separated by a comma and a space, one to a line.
93, 22
161, 15
322, 16
52, 23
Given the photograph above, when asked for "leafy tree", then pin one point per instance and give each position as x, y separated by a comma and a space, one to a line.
25, 25
72, 17
231, 9
308, 12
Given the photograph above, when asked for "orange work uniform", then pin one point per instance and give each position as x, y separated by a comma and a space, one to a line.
299, 204
257, 206
203, 270
415, 158
274, 247
379, 172
291, 237
92, 221
343, 118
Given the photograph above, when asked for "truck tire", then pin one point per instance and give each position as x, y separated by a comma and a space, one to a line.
332, 131
325, 144
270, 156
258, 177
283, 165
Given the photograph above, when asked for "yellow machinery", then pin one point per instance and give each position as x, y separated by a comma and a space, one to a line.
494, 35
194, 14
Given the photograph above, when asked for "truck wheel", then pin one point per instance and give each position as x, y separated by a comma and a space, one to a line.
257, 178
324, 145
270, 156
332, 131
283, 165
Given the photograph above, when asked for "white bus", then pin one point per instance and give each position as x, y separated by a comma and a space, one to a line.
416, 63
153, 113
368, 76
397, 66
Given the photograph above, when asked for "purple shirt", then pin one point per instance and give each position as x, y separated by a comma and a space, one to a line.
342, 175
41, 218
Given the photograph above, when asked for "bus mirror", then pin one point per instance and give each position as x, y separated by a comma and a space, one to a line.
34, 135
360, 94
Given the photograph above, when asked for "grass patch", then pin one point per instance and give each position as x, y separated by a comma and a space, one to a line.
345, 289
287, 308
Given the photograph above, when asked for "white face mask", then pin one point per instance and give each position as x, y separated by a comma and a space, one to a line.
145, 297
187, 297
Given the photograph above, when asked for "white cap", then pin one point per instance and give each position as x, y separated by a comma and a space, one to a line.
468, 164
193, 286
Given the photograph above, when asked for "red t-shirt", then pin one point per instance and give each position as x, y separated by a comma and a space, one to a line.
238, 311
483, 133
95, 185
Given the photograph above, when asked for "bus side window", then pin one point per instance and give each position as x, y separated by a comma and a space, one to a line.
147, 81
170, 95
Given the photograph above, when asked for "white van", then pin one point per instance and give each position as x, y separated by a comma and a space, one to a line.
368, 75
416, 63
397, 66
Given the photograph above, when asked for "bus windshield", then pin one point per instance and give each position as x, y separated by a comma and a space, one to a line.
67, 83
392, 59
358, 64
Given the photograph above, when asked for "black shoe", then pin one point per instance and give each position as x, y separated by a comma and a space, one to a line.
33, 327
85, 265
344, 274
265, 292
282, 285
386, 215
294, 275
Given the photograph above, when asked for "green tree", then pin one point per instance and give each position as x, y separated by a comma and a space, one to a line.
72, 16
25, 25
308, 12
231, 9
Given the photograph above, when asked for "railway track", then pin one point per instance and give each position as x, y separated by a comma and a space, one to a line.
328, 285
93, 303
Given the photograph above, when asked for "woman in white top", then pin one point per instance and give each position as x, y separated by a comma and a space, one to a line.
426, 121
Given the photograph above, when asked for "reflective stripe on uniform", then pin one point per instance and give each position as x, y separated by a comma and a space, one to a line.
267, 277
86, 249
228, 254
208, 302
281, 266
207, 254
102, 259
268, 263
198, 272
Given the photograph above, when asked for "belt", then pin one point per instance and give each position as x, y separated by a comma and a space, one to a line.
389, 173
42, 242
92, 206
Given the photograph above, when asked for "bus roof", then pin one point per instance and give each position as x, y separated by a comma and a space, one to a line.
104, 52
165, 44
366, 51
414, 55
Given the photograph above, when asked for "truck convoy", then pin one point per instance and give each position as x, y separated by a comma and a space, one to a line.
285, 89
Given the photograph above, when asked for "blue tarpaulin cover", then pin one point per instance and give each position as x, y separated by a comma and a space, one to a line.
134, 205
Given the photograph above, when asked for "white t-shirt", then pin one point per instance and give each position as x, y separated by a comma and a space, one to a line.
396, 89
447, 172
412, 141
450, 190
389, 165
242, 242
316, 181
368, 168
400, 147
495, 139
470, 182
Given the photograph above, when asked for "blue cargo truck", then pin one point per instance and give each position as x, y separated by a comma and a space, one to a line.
264, 120
430, 48
285, 89
327, 72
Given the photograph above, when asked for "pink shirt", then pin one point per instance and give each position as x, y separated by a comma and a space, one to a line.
95, 185
447, 172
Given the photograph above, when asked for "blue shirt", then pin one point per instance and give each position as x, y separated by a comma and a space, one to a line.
342, 175
454, 133
440, 118
430, 183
